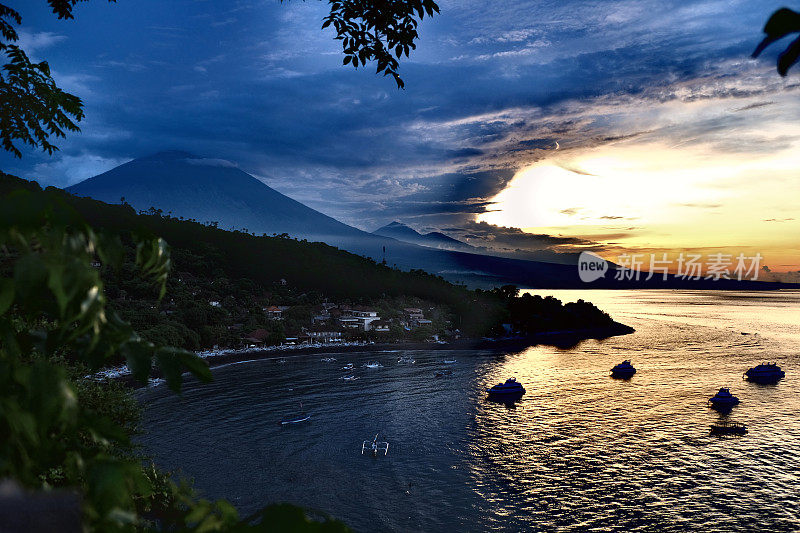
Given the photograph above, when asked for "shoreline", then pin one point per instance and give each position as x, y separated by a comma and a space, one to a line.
215, 359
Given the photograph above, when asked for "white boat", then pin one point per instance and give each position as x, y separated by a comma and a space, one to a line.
328, 359
348, 366
349, 378
375, 446
449, 361
295, 419
302, 416
373, 364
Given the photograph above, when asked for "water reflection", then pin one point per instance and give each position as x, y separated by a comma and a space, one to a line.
579, 451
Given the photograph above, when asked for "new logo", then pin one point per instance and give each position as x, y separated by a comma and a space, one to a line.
591, 267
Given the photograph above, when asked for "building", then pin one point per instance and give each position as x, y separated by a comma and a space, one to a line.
415, 318
360, 319
380, 326
321, 315
273, 312
350, 322
322, 336
257, 337
412, 313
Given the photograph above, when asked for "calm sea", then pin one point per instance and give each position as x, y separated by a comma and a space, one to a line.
579, 452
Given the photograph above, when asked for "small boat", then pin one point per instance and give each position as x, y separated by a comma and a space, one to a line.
375, 446
348, 366
623, 370
508, 391
295, 419
373, 364
449, 361
442, 373
728, 428
328, 359
349, 378
765, 373
406, 360
302, 416
723, 399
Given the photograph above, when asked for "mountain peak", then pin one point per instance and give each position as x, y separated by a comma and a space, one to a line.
401, 232
168, 155
397, 230
208, 189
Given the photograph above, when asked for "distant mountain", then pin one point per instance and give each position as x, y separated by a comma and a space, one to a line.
215, 191
434, 239
209, 190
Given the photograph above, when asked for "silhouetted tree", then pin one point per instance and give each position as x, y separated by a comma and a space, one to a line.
379, 31
34, 108
782, 23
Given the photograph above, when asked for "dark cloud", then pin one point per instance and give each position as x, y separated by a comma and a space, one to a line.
753, 106
506, 239
488, 92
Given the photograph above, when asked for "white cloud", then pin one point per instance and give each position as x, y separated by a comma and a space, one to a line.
65, 170
211, 162
33, 42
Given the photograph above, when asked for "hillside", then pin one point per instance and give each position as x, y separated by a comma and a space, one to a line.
213, 191
434, 239
209, 191
224, 282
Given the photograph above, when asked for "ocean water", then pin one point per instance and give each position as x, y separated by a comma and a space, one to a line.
579, 452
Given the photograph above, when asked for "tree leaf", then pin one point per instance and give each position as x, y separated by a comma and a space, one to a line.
789, 57
6, 294
139, 358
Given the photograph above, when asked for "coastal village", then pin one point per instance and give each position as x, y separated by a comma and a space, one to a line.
220, 313
331, 323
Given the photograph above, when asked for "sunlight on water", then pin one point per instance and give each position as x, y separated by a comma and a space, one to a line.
580, 452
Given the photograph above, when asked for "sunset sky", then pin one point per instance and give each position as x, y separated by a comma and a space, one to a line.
613, 126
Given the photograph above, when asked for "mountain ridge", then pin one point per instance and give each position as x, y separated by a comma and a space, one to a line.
216, 191
434, 239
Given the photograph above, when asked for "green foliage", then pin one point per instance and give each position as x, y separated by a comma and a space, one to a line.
59, 429
378, 31
34, 108
63, 8
782, 23
54, 428
285, 517
243, 271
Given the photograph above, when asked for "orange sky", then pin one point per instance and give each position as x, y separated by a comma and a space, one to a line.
652, 195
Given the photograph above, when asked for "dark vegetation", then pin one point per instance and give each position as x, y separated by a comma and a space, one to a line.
65, 288
66, 291
245, 273
781, 23
61, 433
